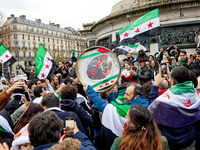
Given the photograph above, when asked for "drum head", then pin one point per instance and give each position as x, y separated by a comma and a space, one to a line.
99, 68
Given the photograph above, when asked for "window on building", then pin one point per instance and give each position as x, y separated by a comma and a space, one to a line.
53, 40
15, 36
61, 41
47, 32
24, 54
26, 28
57, 41
32, 30
17, 54
51, 33
34, 54
33, 38
66, 42
23, 45
49, 47
43, 39
53, 47
37, 30
29, 46
61, 48
28, 37
69, 49
16, 45
34, 47
29, 54
58, 48
23, 36
60, 34
38, 38
66, 49
42, 31
56, 34
14, 27
71, 42
48, 40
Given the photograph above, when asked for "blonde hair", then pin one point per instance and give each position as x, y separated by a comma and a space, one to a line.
67, 144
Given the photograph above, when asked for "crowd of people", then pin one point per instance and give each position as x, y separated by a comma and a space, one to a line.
156, 100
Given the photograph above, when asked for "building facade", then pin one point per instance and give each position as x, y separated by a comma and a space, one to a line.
179, 21
22, 38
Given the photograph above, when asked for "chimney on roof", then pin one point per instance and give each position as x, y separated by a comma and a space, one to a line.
22, 16
57, 25
12, 15
38, 20
8, 18
53, 24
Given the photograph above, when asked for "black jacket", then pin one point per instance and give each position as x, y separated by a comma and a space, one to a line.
71, 105
63, 114
145, 75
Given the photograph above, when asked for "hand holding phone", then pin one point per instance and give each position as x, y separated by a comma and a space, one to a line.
69, 126
27, 96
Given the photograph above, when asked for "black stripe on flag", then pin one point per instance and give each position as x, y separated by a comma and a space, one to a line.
141, 37
10, 61
120, 51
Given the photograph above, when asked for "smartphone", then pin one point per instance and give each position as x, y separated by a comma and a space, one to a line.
163, 68
69, 126
27, 95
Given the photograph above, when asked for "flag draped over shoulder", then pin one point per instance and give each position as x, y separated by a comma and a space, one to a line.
179, 106
5, 56
125, 49
44, 63
113, 122
143, 28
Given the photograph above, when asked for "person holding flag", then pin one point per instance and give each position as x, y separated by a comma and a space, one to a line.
74, 56
177, 111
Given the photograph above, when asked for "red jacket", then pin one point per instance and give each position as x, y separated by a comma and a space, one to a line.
128, 79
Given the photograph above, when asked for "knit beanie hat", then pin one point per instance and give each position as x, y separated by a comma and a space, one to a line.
21, 138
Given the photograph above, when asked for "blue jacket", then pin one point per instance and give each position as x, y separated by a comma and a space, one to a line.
72, 105
45, 146
153, 93
101, 104
85, 142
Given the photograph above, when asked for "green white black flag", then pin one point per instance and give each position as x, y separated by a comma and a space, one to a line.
143, 28
5, 56
44, 65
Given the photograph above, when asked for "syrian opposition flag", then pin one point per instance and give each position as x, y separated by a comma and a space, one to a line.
44, 63
6, 57
143, 28
113, 122
179, 106
125, 49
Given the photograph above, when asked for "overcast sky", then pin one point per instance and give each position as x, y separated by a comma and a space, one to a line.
67, 13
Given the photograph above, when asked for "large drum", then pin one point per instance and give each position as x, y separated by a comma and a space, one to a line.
99, 68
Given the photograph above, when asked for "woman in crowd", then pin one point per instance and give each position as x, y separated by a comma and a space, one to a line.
126, 71
154, 68
141, 132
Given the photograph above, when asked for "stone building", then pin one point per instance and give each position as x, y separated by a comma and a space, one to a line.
22, 38
179, 20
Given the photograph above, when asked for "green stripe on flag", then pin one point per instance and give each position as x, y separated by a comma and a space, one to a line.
39, 59
3, 49
186, 88
122, 110
105, 81
151, 15
91, 55
132, 46
2, 129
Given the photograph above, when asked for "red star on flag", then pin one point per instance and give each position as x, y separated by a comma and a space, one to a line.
1, 60
43, 75
188, 104
6, 56
129, 50
167, 96
48, 59
137, 31
126, 34
107, 84
112, 81
123, 47
100, 86
150, 24
47, 66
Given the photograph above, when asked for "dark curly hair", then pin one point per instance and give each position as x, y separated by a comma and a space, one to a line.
68, 92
